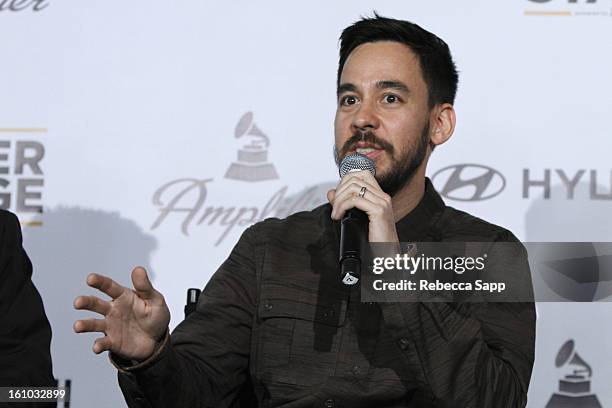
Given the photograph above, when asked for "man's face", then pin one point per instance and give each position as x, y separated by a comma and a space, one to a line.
383, 111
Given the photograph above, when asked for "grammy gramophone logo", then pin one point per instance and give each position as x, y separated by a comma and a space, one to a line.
575, 387
252, 164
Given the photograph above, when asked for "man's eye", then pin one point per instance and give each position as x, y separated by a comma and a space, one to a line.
348, 100
391, 98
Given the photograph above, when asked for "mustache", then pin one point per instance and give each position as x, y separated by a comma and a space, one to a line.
368, 137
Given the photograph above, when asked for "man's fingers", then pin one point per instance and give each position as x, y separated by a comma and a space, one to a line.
331, 194
355, 180
92, 303
350, 198
142, 284
90, 325
101, 344
354, 187
105, 284
342, 206
361, 175
361, 179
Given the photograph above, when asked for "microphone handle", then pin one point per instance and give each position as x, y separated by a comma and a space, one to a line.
353, 229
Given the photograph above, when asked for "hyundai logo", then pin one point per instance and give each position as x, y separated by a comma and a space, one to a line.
469, 182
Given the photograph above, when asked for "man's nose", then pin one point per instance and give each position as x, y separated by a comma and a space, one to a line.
365, 117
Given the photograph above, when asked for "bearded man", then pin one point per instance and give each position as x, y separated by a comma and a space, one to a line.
276, 319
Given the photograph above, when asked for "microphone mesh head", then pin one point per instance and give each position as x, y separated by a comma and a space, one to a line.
356, 162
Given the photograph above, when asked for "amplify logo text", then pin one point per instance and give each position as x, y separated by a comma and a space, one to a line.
189, 198
186, 198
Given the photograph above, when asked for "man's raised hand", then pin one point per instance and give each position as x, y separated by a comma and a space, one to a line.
135, 320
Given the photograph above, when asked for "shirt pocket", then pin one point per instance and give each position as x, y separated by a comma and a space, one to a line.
299, 338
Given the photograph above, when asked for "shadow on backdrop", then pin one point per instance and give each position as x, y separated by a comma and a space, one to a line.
71, 243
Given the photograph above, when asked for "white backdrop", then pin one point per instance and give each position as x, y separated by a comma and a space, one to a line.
126, 97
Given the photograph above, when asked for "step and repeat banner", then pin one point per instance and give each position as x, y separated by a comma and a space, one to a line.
153, 133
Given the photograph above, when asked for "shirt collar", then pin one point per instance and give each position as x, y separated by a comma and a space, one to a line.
418, 223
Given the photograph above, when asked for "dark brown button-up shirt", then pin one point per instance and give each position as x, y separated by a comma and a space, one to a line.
275, 327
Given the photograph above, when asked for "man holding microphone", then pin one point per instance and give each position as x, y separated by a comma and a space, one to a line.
275, 313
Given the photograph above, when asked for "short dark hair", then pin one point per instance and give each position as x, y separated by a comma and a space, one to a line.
439, 70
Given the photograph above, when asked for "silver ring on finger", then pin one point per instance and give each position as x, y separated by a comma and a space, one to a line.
362, 191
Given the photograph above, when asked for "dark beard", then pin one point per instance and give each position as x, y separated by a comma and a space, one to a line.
402, 169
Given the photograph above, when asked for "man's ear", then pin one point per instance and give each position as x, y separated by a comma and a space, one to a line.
442, 122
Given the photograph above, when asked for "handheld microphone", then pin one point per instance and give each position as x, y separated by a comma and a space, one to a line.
354, 225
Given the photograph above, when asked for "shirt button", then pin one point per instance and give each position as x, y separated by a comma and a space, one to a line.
328, 314
403, 343
329, 403
355, 370
267, 306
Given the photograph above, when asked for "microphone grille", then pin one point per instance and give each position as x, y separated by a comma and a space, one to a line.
356, 162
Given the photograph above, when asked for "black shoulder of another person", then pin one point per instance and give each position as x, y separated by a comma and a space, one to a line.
8, 224
457, 225
10, 239
25, 333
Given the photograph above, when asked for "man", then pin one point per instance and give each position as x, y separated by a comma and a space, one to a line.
276, 316
25, 333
